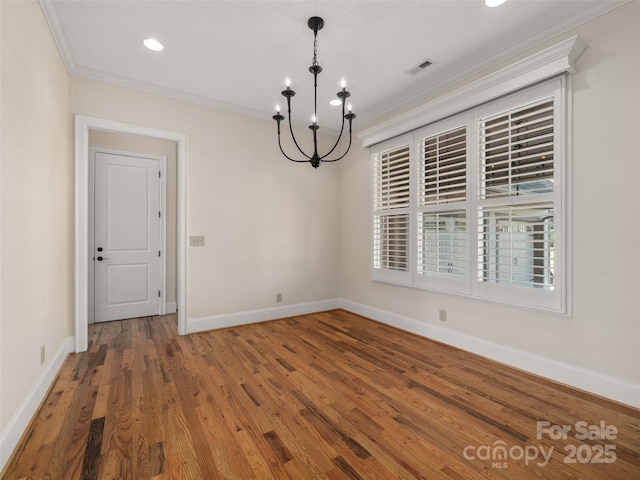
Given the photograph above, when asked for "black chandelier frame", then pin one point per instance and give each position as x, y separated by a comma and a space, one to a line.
315, 24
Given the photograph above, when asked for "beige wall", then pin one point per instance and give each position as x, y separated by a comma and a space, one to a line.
141, 144
36, 204
602, 335
270, 226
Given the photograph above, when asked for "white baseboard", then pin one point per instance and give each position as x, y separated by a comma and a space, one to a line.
252, 316
170, 307
614, 388
19, 422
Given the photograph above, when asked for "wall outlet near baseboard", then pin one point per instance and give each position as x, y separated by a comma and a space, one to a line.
442, 315
278, 297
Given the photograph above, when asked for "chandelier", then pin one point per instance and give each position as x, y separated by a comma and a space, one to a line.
315, 24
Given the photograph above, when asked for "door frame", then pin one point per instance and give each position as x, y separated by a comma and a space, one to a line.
162, 162
82, 126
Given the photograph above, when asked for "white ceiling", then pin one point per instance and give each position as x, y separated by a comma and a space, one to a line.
235, 55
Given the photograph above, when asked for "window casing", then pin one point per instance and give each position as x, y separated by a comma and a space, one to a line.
473, 204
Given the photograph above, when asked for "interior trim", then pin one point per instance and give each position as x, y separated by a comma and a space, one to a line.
81, 216
555, 60
260, 315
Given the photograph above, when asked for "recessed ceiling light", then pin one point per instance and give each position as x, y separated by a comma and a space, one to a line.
494, 3
153, 44
335, 102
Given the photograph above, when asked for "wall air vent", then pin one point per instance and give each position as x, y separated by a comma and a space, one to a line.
420, 67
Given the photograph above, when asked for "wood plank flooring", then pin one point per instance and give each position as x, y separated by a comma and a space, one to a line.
323, 396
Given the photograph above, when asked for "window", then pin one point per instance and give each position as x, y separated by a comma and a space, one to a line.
392, 202
442, 234
473, 205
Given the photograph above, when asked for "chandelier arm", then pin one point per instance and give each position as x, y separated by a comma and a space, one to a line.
348, 147
338, 140
287, 156
343, 155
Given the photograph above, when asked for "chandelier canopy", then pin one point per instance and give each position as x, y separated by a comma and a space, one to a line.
315, 24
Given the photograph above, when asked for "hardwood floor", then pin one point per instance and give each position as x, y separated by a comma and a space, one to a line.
330, 395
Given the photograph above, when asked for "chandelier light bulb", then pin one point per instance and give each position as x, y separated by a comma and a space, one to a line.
287, 82
343, 84
277, 107
349, 107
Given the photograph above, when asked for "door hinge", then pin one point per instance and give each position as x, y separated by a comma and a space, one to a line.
158, 293
159, 254
159, 174
159, 214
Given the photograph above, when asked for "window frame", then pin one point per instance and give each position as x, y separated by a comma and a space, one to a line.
555, 300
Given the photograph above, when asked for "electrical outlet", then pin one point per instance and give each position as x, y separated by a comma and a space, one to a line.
196, 241
278, 297
443, 315
42, 355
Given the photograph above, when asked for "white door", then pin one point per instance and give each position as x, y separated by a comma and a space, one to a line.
127, 236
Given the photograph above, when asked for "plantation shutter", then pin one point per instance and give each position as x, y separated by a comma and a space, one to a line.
517, 199
391, 227
444, 167
392, 179
442, 244
517, 151
442, 236
516, 245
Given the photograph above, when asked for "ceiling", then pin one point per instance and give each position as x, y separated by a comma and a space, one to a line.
235, 55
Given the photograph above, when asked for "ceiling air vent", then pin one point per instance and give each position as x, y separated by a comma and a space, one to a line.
420, 67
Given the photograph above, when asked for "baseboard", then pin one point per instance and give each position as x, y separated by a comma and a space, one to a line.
20, 420
253, 316
613, 388
170, 307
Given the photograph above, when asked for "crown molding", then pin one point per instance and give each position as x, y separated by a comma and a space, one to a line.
152, 88
51, 16
149, 87
478, 65
555, 60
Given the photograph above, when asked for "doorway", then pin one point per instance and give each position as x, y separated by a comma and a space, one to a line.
127, 233
83, 254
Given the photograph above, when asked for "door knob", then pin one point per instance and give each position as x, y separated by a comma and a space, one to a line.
101, 258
